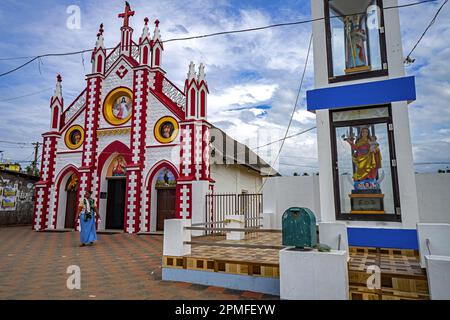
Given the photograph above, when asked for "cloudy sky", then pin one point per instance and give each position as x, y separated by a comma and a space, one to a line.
253, 77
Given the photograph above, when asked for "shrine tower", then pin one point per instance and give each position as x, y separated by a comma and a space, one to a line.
361, 99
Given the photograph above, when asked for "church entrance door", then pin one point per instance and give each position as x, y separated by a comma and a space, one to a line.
115, 208
165, 206
71, 201
71, 208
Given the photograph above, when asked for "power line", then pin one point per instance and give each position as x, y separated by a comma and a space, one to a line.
15, 142
213, 34
288, 137
26, 95
293, 111
408, 57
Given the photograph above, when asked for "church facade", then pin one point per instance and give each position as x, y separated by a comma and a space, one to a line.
132, 137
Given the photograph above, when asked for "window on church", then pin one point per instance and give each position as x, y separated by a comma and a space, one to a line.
355, 40
365, 179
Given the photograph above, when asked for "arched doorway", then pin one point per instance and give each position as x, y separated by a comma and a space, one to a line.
166, 197
67, 197
115, 207
111, 185
71, 189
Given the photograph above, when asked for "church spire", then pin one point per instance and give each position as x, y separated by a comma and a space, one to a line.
99, 43
56, 105
191, 73
145, 30
126, 41
201, 73
156, 32
157, 46
58, 88
145, 45
99, 53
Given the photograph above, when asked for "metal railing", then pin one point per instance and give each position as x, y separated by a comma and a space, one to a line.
218, 206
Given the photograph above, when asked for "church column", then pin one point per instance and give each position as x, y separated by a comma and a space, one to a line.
194, 182
94, 83
135, 179
43, 187
43, 217
91, 122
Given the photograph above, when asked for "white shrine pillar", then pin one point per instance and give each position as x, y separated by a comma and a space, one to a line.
361, 99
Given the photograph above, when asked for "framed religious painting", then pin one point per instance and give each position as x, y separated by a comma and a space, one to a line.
117, 108
117, 168
365, 167
74, 137
356, 45
166, 129
165, 179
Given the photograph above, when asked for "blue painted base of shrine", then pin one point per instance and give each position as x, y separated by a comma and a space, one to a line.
224, 280
362, 94
383, 238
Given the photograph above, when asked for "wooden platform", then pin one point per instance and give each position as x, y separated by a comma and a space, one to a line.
401, 275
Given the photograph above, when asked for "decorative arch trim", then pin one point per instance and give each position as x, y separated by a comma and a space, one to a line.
63, 173
149, 182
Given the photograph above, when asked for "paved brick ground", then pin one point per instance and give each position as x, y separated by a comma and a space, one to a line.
33, 265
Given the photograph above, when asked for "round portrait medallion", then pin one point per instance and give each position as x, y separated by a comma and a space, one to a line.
117, 107
74, 137
166, 129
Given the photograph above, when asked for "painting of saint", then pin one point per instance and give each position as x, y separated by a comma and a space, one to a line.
165, 179
166, 130
119, 165
75, 137
122, 107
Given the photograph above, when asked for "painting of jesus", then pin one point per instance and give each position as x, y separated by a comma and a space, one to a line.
122, 107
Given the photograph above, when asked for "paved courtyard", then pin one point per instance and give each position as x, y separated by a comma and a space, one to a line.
33, 265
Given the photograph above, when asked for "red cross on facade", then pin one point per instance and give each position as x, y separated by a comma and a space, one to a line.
127, 14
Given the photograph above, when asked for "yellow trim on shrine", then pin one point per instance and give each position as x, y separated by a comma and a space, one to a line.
69, 132
109, 104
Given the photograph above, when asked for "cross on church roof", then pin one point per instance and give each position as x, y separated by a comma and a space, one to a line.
127, 14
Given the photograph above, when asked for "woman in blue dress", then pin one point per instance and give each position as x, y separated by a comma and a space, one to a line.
87, 214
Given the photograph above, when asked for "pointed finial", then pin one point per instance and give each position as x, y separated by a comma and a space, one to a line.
191, 73
99, 42
145, 31
156, 33
201, 72
58, 87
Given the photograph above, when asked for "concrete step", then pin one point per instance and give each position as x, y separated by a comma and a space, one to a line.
151, 233
110, 231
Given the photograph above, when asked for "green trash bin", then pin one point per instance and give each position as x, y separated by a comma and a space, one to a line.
299, 228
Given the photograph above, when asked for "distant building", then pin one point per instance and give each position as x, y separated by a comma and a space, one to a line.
10, 166
16, 197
